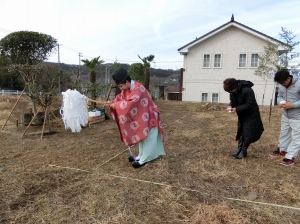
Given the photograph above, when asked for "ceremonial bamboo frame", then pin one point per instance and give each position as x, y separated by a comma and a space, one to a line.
45, 115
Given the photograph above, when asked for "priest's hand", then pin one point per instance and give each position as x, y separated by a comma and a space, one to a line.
107, 103
112, 106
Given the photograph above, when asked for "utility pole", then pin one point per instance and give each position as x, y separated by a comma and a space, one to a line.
80, 55
107, 74
59, 85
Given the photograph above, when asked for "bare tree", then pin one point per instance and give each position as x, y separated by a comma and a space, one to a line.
288, 37
270, 61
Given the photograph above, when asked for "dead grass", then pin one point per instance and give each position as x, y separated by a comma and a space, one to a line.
85, 178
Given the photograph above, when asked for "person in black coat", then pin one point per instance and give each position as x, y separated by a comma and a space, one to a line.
243, 103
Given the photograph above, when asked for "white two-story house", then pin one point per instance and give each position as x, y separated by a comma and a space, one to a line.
229, 51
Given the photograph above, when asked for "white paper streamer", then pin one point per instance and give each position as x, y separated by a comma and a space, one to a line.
74, 110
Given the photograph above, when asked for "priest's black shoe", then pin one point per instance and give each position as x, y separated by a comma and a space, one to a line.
131, 158
136, 164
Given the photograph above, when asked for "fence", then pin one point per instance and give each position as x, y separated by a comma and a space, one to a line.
10, 92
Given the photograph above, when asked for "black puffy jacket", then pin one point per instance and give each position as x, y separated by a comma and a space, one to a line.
249, 120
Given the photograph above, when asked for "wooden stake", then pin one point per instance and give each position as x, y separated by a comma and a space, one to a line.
13, 108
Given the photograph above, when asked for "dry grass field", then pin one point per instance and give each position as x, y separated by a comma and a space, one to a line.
86, 178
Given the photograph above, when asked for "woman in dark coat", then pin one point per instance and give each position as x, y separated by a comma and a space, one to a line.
243, 102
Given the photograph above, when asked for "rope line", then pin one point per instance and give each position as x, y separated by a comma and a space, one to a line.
168, 185
182, 188
175, 121
70, 168
110, 159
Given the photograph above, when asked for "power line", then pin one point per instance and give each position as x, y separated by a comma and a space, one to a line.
108, 59
166, 61
84, 55
5, 30
139, 61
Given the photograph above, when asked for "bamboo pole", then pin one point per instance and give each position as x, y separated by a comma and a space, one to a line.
96, 101
108, 94
45, 119
13, 108
58, 121
31, 121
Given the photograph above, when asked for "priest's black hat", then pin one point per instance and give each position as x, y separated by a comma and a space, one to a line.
119, 76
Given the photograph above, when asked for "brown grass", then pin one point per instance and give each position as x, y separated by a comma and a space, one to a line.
86, 178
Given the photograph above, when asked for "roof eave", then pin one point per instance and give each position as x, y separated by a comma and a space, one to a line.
184, 52
185, 48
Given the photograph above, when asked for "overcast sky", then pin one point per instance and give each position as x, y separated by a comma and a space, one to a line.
119, 30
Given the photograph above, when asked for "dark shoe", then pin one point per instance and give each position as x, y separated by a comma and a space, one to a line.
243, 152
131, 158
136, 164
287, 162
239, 148
278, 152
237, 152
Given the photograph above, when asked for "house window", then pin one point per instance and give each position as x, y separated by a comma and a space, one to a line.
206, 60
242, 60
217, 61
254, 60
215, 98
204, 97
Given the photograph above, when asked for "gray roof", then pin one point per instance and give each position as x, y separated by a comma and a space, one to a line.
172, 89
232, 22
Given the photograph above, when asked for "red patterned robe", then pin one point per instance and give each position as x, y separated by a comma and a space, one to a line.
134, 114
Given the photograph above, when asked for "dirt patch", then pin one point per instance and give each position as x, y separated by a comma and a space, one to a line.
86, 178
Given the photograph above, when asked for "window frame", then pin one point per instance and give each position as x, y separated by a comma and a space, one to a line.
204, 62
239, 62
207, 97
218, 98
256, 61
221, 56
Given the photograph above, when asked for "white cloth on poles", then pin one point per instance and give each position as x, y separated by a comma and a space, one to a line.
74, 110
